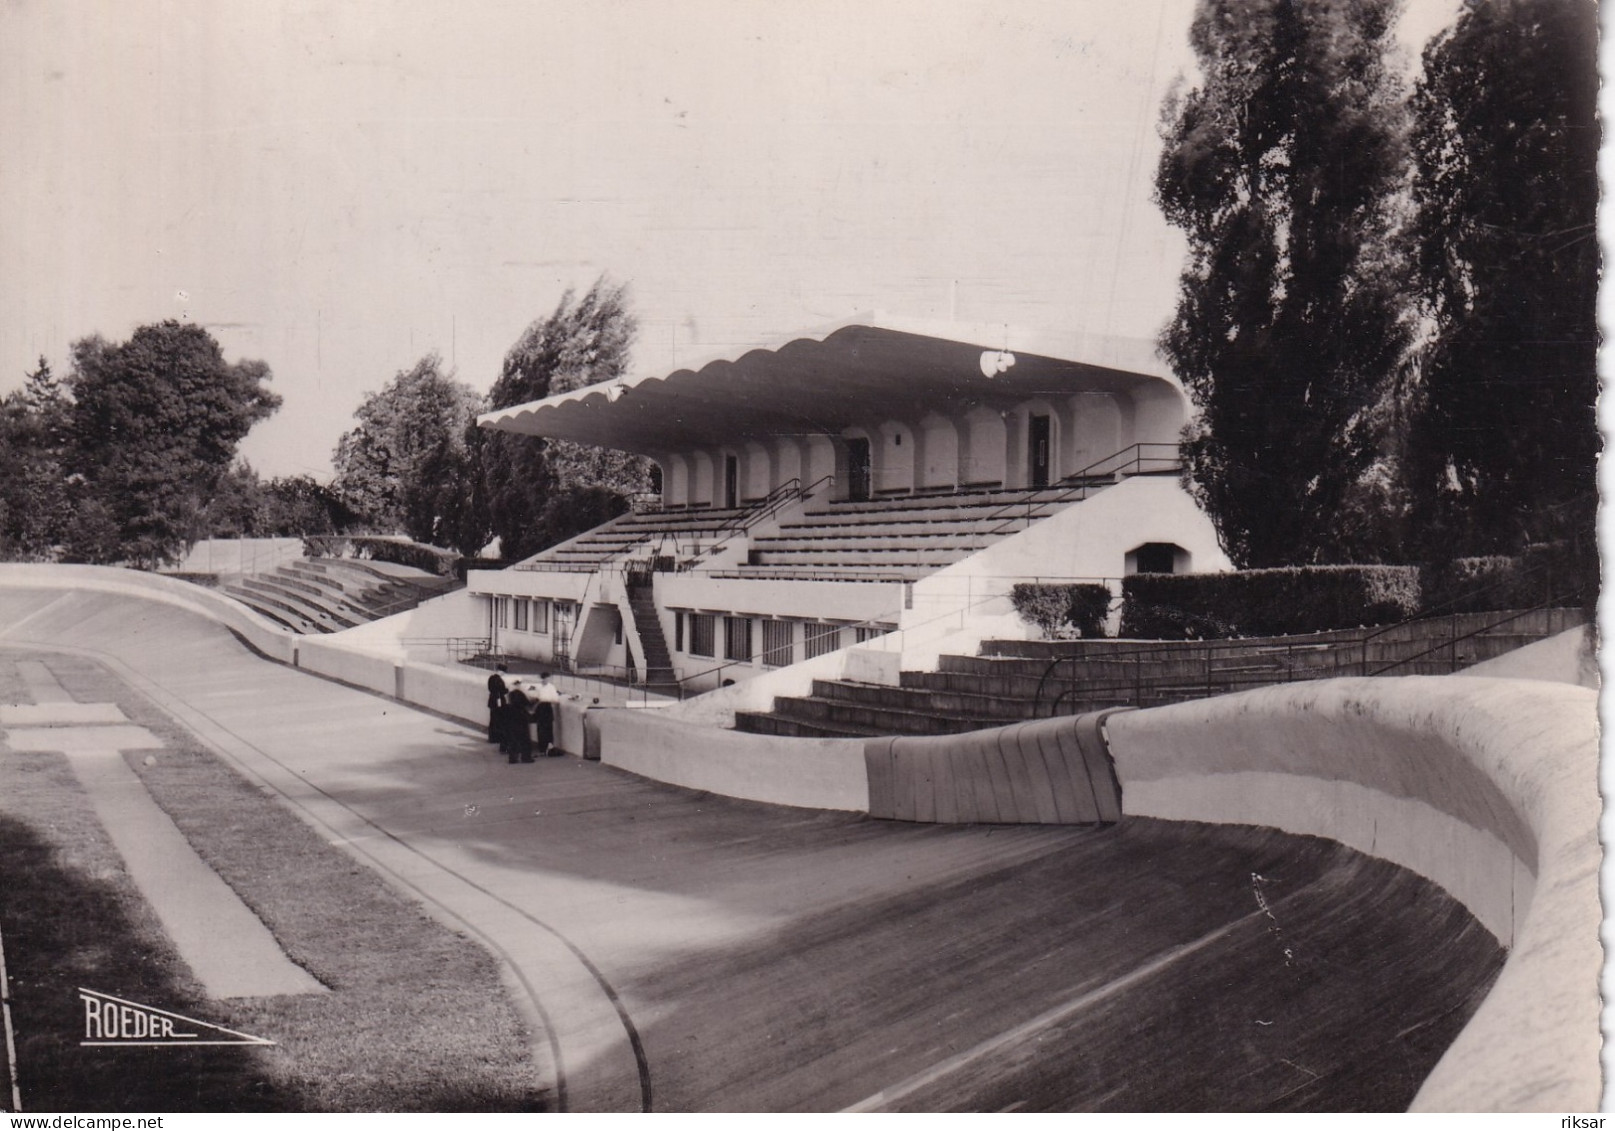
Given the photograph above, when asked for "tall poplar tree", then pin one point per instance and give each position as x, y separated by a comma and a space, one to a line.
538, 492
1283, 167
1505, 145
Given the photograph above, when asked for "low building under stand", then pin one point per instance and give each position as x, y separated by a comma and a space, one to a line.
865, 492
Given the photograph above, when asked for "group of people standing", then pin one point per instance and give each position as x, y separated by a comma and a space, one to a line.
516, 710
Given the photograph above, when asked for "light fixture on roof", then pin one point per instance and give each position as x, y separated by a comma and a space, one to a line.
994, 362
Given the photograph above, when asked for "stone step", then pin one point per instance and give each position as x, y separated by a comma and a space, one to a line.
758, 722
281, 614
315, 606
964, 704
875, 720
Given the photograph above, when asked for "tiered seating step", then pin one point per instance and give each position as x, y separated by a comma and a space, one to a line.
593, 548
1014, 680
331, 594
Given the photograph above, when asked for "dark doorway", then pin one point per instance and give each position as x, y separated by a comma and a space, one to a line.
731, 481
1156, 557
858, 469
1037, 444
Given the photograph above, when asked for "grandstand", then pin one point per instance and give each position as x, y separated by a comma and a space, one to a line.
865, 488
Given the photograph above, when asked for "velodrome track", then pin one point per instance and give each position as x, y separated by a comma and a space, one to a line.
682, 951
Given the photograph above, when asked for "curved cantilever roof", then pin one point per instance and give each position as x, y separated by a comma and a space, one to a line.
856, 372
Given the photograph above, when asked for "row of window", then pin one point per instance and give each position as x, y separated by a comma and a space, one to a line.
697, 634
523, 614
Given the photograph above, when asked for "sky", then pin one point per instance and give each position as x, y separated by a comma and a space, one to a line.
338, 187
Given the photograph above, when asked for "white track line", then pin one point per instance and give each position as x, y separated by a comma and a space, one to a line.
1047, 1018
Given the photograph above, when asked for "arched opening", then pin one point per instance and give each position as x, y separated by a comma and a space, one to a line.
1158, 557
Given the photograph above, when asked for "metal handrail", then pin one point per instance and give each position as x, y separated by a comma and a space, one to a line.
1451, 644
1129, 460
787, 492
1216, 654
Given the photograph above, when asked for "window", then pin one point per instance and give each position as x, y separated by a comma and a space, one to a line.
737, 638
678, 632
702, 626
866, 632
777, 651
501, 612
541, 616
818, 639
521, 614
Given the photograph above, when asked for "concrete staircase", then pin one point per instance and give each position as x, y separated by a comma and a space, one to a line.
652, 641
1013, 680
320, 595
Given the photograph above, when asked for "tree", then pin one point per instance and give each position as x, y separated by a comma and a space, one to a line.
299, 504
1505, 145
34, 504
155, 422
404, 467
537, 492
1283, 168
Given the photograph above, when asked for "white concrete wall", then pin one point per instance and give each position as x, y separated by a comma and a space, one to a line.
459, 613
323, 656
1095, 432
937, 449
894, 463
814, 773
1486, 787
982, 447
1087, 541
238, 556
844, 600
559, 585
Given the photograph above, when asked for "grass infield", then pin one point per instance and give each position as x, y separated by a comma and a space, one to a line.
417, 1018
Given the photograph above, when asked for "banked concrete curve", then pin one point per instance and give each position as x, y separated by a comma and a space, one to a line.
1488, 787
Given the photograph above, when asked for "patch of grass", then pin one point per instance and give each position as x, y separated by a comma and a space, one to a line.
417, 1020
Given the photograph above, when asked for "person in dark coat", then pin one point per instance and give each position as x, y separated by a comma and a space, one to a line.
496, 703
544, 714
518, 729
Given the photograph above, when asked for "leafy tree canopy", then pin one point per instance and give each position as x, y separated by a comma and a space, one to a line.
34, 504
405, 466
155, 422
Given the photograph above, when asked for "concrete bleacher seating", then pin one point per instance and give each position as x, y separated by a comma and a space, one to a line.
321, 595
902, 537
1012, 680
626, 533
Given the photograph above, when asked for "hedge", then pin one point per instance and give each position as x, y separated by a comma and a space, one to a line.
417, 555
1063, 611
1266, 602
1555, 572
